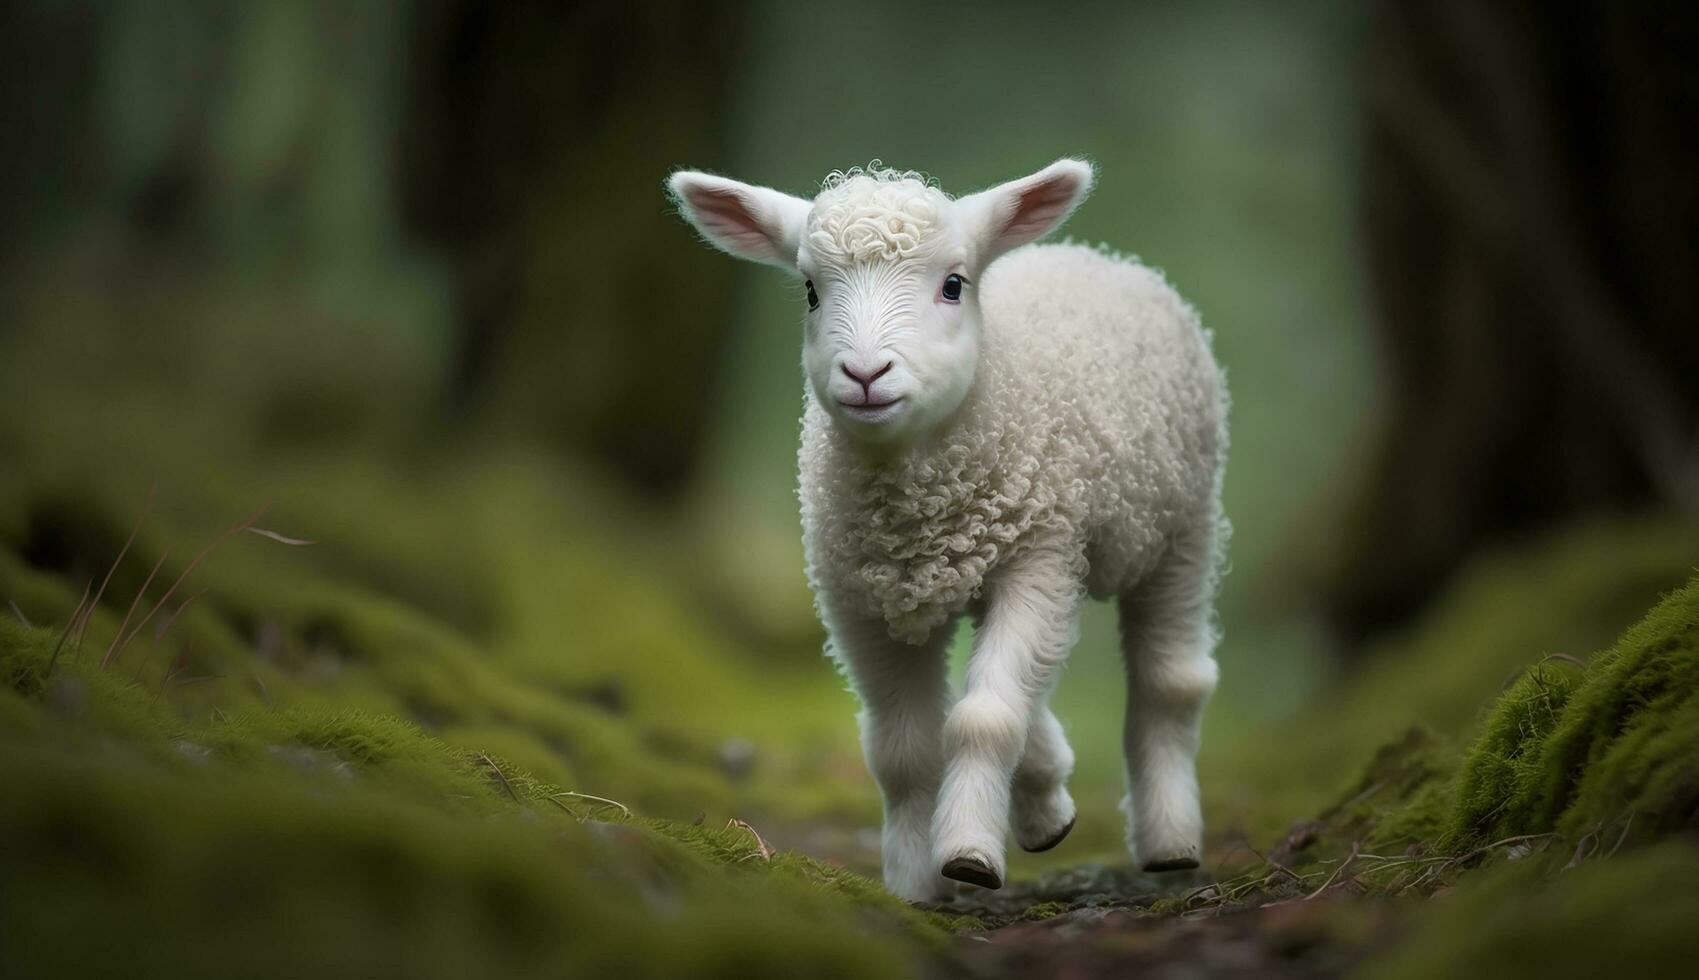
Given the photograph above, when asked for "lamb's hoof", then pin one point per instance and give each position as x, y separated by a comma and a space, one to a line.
1061, 835
973, 871
1171, 864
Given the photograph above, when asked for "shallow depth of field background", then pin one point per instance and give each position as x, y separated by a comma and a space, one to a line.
406, 270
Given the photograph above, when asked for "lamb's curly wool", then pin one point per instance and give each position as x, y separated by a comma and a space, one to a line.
1095, 429
868, 215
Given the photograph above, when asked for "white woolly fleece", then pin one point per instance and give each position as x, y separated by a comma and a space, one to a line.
1095, 428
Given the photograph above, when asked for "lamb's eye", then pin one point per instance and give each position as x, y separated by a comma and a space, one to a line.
953, 288
813, 297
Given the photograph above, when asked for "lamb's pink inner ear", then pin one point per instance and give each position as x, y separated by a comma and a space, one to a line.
1041, 205
728, 217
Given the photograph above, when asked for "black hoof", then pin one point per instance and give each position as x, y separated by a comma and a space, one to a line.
1061, 836
972, 871
1172, 864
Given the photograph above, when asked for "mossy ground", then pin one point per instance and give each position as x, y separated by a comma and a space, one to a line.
453, 738
1533, 845
448, 739
313, 842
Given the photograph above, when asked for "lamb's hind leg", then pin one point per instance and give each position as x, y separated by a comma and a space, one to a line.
1168, 640
904, 692
1040, 810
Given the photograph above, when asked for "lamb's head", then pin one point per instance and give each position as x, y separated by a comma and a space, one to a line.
889, 265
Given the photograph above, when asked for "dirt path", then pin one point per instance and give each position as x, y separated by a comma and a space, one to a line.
1095, 921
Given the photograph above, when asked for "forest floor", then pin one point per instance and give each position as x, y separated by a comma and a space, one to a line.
452, 738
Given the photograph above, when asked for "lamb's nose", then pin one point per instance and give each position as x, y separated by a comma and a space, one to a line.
866, 376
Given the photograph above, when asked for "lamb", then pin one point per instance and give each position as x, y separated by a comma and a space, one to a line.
996, 429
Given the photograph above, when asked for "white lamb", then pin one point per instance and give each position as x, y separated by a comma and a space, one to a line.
998, 431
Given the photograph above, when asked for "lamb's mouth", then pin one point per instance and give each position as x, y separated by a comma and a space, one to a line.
870, 411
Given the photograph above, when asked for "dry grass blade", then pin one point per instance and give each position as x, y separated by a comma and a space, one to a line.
171, 673
20, 614
88, 614
1622, 836
165, 624
764, 848
115, 646
594, 799
1585, 848
500, 776
1275, 865
1356, 847
124, 640
1485, 848
65, 634
280, 538
1421, 879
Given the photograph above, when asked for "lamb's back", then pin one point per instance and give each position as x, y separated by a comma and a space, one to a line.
1104, 351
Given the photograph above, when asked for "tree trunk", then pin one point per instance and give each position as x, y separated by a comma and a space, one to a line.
1533, 228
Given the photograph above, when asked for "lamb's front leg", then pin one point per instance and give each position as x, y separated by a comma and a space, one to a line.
1031, 609
904, 692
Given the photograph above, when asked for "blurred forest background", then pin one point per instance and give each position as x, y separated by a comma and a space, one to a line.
406, 270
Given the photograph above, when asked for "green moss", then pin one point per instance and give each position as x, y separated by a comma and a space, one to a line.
1602, 752
1572, 753
341, 843
587, 670
1503, 776
200, 874
1393, 802
1568, 592
1629, 916
1045, 910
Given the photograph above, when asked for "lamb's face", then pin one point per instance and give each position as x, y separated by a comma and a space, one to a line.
891, 332
889, 266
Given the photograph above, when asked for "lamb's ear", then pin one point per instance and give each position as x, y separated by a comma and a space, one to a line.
1027, 209
750, 222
